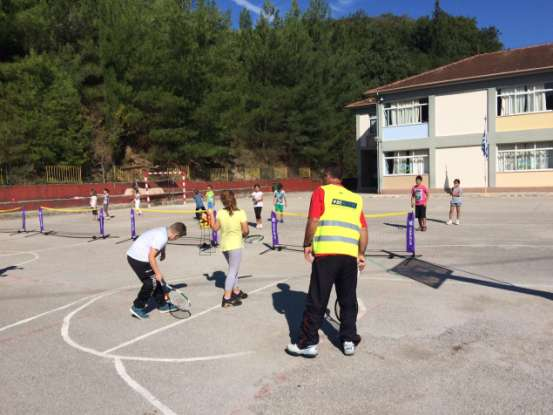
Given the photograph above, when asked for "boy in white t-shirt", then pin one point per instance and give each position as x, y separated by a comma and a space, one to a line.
257, 199
137, 201
141, 256
94, 204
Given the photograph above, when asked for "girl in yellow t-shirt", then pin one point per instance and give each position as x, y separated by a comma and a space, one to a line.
233, 224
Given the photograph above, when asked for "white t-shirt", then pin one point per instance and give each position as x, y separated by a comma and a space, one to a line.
257, 199
94, 201
154, 238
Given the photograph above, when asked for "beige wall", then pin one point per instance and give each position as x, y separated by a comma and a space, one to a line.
400, 182
524, 122
464, 163
525, 179
458, 114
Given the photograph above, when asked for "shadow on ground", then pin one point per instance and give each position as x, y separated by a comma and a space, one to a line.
434, 276
291, 304
218, 277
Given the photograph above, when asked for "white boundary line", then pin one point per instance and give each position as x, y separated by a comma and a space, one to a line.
27, 320
146, 394
107, 354
484, 245
177, 323
16, 253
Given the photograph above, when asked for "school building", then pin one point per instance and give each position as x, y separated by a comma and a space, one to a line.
433, 124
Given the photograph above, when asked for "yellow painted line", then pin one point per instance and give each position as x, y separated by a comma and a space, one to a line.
371, 216
87, 210
171, 211
82, 210
10, 210
385, 215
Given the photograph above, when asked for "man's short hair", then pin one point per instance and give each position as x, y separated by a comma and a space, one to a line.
334, 171
178, 228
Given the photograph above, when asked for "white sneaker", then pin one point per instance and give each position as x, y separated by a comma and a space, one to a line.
457, 222
449, 222
349, 348
260, 226
309, 351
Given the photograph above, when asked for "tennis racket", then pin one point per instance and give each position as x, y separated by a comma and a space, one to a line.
338, 311
180, 300
253, 239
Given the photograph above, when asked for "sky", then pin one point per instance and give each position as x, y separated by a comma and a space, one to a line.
521, 23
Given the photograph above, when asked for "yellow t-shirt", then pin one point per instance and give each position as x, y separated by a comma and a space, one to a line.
231, 230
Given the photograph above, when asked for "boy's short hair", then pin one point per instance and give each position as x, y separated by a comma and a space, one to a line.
196, 191
256, 185
178, 228
419, 177
457, 181
334, 171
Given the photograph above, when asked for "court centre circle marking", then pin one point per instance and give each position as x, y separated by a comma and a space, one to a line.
17, 253
29, 319
108, 353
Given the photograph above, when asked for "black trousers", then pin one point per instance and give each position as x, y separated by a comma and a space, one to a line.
257, 210
339, 270
150, 286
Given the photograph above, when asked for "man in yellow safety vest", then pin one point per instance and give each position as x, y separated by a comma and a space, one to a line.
335, 241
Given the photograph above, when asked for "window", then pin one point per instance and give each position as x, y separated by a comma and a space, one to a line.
406, 112
525, 99
524, 157
404, 163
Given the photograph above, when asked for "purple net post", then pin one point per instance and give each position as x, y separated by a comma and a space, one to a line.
23, 220
41, 220
410, 233
274, 229
214, 234
133, 225
101, 220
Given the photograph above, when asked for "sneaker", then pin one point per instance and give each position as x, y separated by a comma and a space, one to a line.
309, 351
449, 222
167, 308
260, 226
231, 302
241, 295
348, 348
139, 313
457, 222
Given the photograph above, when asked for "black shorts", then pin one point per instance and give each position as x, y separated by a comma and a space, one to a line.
257, 211
420, 212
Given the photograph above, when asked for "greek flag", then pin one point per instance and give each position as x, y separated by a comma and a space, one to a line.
485, 143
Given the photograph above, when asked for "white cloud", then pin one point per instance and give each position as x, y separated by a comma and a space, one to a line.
341, 6
250, 6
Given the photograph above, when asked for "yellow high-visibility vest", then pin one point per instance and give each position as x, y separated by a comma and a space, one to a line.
339, 227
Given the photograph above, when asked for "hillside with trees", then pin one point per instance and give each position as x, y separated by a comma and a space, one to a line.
102, 83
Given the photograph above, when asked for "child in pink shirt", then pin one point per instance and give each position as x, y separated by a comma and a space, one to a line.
419, 200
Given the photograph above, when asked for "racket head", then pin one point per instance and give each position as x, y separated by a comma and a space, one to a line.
181, 301
253, 239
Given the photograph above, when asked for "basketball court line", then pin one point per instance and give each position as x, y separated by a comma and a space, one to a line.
16, 253
29, 319
177, 323
141, 390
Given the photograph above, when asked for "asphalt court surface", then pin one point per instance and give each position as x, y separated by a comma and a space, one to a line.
464, 328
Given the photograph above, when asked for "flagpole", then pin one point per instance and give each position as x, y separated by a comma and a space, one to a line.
485, 151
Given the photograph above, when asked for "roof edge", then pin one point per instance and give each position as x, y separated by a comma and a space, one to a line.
454, 81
